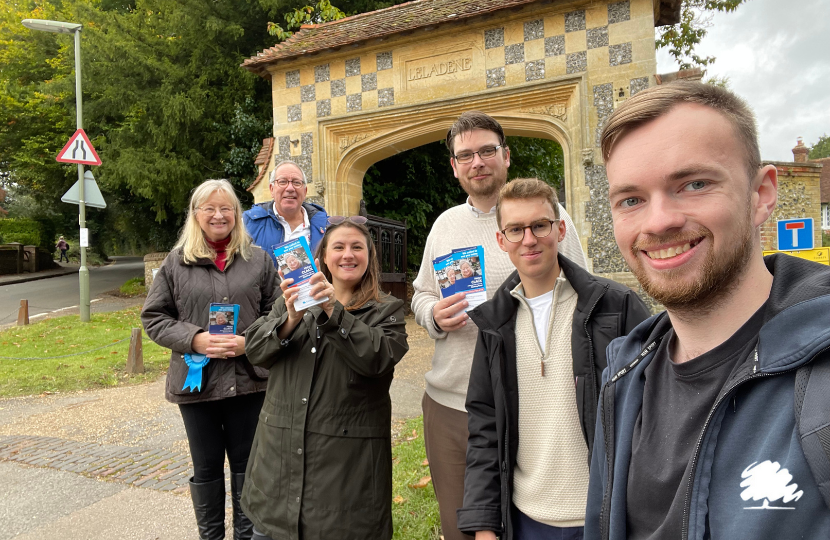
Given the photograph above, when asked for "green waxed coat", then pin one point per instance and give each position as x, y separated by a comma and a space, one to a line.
321, 461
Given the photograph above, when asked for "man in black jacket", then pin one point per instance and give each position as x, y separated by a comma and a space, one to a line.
535, 377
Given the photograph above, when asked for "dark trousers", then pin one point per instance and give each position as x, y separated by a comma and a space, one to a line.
63, 256
525, 528
445, 438
215, 428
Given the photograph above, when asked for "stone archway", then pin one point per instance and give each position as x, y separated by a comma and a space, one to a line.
350, 93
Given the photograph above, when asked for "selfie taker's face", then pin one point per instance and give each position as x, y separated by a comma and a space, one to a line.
347, 257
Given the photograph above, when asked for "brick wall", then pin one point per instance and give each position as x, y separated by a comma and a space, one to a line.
799, 196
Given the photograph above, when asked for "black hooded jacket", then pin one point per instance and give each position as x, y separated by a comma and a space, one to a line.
604, 311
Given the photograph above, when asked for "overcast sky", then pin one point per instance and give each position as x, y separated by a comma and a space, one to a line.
777, 56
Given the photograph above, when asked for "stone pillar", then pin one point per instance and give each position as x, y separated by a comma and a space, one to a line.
152, 261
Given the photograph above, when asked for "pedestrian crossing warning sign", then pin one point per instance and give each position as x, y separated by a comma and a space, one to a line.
79, 150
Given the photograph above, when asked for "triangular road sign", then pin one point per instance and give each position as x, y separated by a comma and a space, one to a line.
79, 150
91, 193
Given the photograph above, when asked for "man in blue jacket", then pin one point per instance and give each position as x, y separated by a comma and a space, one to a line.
697, 433
288, 216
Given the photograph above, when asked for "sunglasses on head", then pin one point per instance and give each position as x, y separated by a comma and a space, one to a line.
337, 220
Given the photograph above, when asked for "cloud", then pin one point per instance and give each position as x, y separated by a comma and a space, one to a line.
775, 56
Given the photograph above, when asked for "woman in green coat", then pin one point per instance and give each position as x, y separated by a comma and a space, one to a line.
321, 462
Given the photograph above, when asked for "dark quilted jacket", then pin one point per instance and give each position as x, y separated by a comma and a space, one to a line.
177, 309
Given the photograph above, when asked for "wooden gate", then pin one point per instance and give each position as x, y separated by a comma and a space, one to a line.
389, 237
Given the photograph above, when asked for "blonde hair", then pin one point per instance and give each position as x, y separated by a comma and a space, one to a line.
192, 240
657, 101
526, 188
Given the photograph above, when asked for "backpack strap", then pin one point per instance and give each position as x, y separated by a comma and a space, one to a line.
812, 416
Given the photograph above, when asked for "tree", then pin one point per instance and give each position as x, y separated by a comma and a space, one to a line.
323, 11
695, 19
821, 149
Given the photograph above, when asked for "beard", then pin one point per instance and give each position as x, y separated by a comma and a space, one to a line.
719, 274
484, 189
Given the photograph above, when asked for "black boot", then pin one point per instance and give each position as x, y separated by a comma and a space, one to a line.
209, 505
243, 529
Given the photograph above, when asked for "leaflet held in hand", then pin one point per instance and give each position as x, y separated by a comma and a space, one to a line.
445, 273
468, 264
295, 262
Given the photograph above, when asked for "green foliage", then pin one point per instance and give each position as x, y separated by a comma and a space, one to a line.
825, 239
133, 287
682, 38
414, 509
419, 184
27, 232
101, 368
322, 12
821, 149
416, 186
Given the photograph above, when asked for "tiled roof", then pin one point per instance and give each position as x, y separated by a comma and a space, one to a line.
262, 159
398, 19
825, 178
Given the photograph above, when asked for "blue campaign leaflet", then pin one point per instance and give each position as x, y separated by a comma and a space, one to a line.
223, 318
445, 273
468, 264
295, 262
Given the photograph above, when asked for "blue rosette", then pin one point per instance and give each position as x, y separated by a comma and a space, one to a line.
195, 363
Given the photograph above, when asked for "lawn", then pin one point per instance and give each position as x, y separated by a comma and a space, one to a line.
414, 508
34, 359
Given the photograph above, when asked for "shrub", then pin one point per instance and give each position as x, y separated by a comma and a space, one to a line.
28, 232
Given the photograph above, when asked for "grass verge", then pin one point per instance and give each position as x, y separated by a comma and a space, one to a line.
414, 507
133, 287
100, 368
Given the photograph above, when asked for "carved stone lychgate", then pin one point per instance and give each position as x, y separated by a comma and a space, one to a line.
557, 110
587, 157
348, 140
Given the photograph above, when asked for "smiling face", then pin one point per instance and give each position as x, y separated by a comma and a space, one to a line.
288, 199
534, 258
685, 213
481, 178
292, 262
219, 223
466, 269
346, 257
451, 277
220, 318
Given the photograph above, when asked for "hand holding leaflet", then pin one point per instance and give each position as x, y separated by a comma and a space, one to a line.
469, 274
294, 262
219, 342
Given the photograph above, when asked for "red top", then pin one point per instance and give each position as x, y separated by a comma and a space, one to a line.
221, 255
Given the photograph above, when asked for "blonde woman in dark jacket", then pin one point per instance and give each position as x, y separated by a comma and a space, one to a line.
321, 463
213, 261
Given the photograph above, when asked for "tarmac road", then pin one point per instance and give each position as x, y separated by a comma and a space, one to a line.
58, 293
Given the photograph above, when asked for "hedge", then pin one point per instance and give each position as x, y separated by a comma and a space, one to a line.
27, 232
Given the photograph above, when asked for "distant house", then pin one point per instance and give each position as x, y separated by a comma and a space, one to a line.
3, 212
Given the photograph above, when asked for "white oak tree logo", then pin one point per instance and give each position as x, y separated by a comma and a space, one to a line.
767, 481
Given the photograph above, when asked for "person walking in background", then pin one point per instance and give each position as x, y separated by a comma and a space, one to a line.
534, 382
321, 463
63, 247
714, 415
287, 216
213, 262
480, 159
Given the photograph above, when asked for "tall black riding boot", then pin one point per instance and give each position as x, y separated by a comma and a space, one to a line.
209, 505
243, 529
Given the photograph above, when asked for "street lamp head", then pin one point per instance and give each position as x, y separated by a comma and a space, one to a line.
52, 26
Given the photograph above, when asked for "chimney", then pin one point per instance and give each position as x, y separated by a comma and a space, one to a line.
800, 152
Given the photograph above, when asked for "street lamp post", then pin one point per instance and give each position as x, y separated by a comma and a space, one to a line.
73, 28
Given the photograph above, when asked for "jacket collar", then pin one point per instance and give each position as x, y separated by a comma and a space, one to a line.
501, 309
266, 209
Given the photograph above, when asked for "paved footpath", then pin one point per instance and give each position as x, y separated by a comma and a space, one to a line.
114, 463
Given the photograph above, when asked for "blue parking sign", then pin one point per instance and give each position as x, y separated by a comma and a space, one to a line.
795, 234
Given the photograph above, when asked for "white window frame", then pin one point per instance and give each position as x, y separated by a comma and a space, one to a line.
825, 216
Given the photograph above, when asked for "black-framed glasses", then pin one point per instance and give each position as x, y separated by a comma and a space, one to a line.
337, 220
283, 182
539, 229
485, 152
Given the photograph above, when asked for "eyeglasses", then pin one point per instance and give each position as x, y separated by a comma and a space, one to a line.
209, 210
484, 153
337, 220
283, 182
539, 229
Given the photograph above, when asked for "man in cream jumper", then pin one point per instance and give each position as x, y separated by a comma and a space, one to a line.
534, 383
480, 159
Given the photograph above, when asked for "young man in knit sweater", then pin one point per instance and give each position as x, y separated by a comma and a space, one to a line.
535, 377
480, 159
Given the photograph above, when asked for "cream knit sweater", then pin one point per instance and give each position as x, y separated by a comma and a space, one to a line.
461, 227
550, 480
